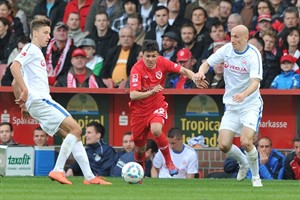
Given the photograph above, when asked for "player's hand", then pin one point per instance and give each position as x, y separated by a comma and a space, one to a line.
22, 99
198, 77
199, 80
238, 98
24, 113
157, 88
263, 157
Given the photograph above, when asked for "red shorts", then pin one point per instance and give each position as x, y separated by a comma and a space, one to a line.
140, 125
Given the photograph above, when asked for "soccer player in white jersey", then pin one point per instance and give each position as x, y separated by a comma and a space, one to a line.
32, 92
183, 156
242, 75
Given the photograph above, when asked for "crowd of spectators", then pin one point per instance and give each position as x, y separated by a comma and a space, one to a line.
118, 28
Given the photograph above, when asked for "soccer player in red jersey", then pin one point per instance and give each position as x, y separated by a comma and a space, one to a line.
147, 105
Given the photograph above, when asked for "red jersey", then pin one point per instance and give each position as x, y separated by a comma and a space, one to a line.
143, 79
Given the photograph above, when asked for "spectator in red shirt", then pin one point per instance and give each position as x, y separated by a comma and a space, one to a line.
147, 105
79, 6
292, 162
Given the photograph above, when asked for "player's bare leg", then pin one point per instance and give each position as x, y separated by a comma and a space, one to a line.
251, 155
225, 144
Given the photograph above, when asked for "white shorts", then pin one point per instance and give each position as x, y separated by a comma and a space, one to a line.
235, 119
48, 113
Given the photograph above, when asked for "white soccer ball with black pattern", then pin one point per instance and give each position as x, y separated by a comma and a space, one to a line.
132, 172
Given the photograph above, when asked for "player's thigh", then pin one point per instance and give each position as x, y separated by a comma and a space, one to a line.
250, 117
49, 114
140, 131
69, 125
225, 138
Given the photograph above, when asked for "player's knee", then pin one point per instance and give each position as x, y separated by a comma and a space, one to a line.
246, 144
140, 150
224, 147
156, 131
77, 131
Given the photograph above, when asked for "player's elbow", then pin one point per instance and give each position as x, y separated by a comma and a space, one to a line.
133, 96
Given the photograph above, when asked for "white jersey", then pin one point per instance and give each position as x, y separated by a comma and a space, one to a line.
238, 69
186, 162
34, 73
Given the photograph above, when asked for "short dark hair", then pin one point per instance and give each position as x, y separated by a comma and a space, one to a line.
200, 8
266, 138
127, 133
38, 129
297, 138
39, 22
189, 25
101, 12
8, 124
99, 128
23, 39
217, 24
150, 45
174, 132
136, 16
161, 8
151, 144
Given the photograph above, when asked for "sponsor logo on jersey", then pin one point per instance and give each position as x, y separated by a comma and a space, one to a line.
241, 70
134, 78
158, 75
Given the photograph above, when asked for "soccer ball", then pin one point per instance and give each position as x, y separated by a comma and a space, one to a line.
132, 172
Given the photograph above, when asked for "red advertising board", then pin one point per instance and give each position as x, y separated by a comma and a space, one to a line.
23, 129
279, 122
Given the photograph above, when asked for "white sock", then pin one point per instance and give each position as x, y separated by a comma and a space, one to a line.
237, 154
65, 151
80, 156
252, 157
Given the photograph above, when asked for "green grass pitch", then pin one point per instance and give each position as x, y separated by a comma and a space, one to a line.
42, 188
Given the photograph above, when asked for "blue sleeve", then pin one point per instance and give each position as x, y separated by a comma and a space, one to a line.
117, 169
231, 165
108, 161
274, 83
274, 168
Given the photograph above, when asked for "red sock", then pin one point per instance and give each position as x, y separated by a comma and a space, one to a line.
163, 145
140, 159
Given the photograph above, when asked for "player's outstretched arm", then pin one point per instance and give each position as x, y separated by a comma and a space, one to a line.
20, 89
137, 95
252, 87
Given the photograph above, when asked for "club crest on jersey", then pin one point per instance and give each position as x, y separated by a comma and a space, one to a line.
244, 62
43, 63
23, 53
134, 78
158, 75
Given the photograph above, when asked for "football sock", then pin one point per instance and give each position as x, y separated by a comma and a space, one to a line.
80, 156
65, 151
252, 157
163, 145
237, 154
140, 159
